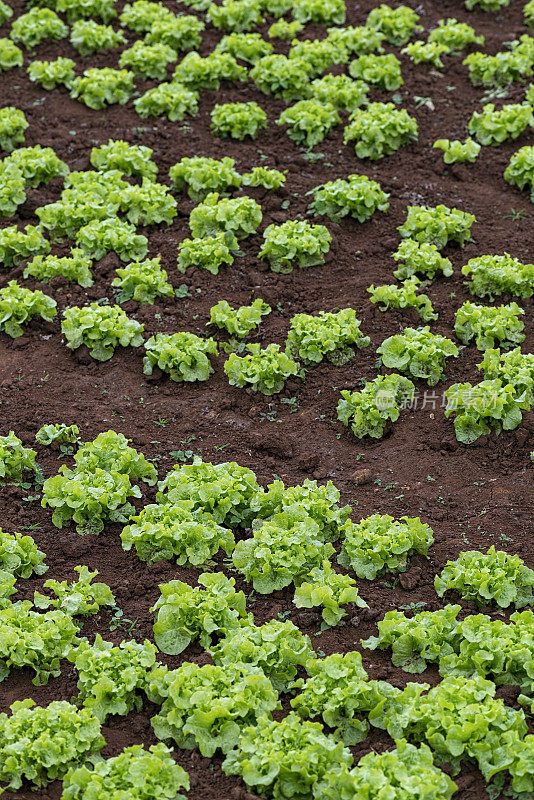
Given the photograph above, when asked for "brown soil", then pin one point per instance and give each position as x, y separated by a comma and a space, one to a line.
471, 496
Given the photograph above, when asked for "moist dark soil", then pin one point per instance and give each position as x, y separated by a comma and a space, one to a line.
472, 496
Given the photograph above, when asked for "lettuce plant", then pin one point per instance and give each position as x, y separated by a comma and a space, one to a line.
380, 129
209, 252
285, 30
384, 71
130, 159
82, 597
142, 281
185, 613
202, 175
356, 40
98, 88
514, 368
397, 24
263, 176
11, 56
281, 551
86, 9
426, 52
38, 165
111, 452
36, 25
496, 275
6, 12
199, 73
224, 490
339, 91
148, 60
207, 707
111, 235
179, 32
110, 679
7, 588
57, 432
240, 216
275, 648
331, 335
379, 402
295, 243
12, 188
12, 126
89, 37
183, 355
520, 170
317, 54
262, 370
18, 305
88, 197
489, 326
460, 719
528, 13
282, 77
357, 195
405, 772
88, 498
235, 15
17, 245
404, 296
457, 152
493, 127
309, 121
338, 690
246, 46
40, 743
37, 641
486, 5
421, 258
322, 12
141, 774
320, 502
241, 321
325, 588
176, 533
141, 15
19, 554
484, 577
503, 68
15, 458
237, 120
171, 100
379, 542
285, 758
437, 225
456, 36
479, 407
419, 353
101, 329
428, 636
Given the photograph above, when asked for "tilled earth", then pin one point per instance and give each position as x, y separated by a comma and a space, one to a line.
471, 496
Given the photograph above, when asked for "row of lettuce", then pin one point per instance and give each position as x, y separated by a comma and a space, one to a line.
217, 224
227, 707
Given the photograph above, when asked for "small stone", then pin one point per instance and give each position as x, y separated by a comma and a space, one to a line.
361, 476
355, 621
